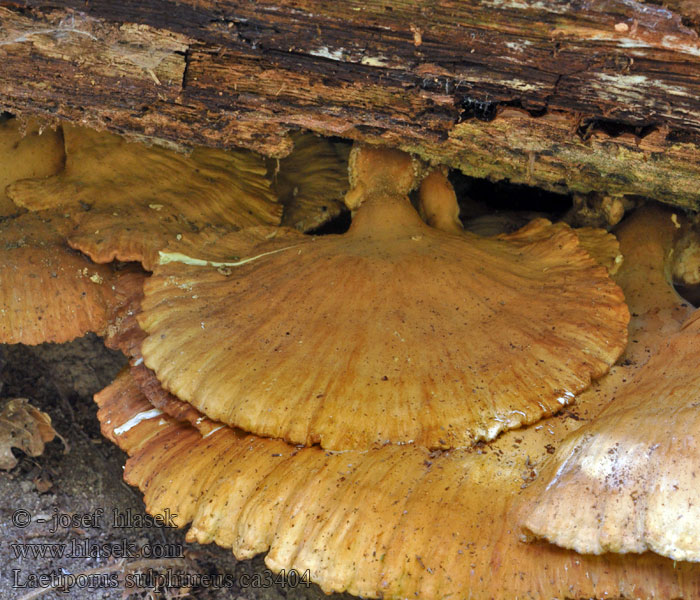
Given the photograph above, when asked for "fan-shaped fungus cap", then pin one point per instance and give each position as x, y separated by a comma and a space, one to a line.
124, 397
647, 240
393, 522
413, 334
312, 181
628, 474
599, 243
129, 201
48, 292
27, 149
181, 411
123, 331
628, 481
603, 247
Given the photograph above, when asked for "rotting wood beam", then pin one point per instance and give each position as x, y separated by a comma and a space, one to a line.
566, 95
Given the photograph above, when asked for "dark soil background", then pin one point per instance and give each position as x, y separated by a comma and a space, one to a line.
60, 380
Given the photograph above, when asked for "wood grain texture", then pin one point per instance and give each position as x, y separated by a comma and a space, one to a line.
591, 82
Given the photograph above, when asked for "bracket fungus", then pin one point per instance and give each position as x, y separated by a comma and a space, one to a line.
389, 352
398, 521
49, 292
128, 201
395, 521
629, 481
625, 473
415, 335
628, 471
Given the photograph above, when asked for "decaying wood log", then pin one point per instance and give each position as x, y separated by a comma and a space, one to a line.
568, 95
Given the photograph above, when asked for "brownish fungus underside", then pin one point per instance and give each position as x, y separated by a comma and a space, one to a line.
49, 292
127, 200
628, 481
414, 334
372, 406
400, 520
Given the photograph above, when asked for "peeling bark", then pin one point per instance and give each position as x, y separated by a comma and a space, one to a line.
569, 95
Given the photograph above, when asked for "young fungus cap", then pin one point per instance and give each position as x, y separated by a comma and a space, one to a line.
27, 149
49, 292
629, 480
392, 332
438, 202
128, 200
376, 171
